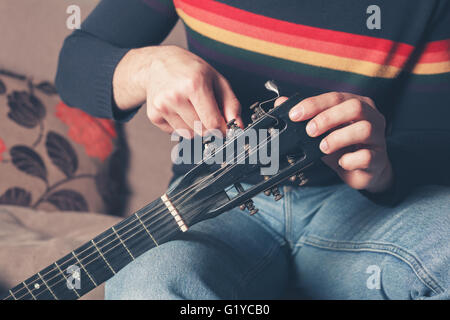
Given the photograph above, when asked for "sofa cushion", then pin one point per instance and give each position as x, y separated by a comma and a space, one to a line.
54, 157
30, 240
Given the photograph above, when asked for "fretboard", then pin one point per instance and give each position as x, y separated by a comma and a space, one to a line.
101, 258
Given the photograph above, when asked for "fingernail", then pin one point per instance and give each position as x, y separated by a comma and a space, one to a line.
324, 146
311, 128
296, 113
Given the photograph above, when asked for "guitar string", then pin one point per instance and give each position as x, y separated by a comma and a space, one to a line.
153, 215
144, 219
219, 175
134, 220
141, 233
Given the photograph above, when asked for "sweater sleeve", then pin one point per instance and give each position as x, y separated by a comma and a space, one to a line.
418, 139
90, 55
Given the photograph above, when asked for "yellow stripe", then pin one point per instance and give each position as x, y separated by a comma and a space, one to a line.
432, 68
288, 53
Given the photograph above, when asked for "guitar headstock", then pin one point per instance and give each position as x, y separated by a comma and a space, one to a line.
272, 146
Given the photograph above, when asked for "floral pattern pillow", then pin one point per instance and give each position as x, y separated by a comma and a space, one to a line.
55, 157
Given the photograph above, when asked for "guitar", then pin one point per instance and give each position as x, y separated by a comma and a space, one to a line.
201, 194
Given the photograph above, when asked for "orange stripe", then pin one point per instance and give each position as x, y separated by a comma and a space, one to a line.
382, 58
276, 50
309, 32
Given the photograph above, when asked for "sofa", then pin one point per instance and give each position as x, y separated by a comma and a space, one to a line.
34, 236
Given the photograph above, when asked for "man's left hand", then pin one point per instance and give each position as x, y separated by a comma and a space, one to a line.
355, 144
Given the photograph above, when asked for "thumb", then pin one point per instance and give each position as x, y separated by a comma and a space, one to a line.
231, 107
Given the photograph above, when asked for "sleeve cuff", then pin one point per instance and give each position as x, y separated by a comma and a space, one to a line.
403, 181
105, 104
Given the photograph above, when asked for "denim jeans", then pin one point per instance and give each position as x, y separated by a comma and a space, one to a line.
316, 243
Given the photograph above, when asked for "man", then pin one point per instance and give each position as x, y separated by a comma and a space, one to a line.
373, 222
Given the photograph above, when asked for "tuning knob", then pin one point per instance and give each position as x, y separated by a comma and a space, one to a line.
250, 206
276, 194
257, 111
232, 127
302, 178
291, 160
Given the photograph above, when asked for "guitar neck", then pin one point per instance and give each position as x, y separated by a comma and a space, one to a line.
101, 258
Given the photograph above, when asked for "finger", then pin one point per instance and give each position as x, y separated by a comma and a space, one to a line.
280, 101
187, 112
179, 126
204, 102
308, 108
228, 101
158, 120
360, 132
348, 111
361, 159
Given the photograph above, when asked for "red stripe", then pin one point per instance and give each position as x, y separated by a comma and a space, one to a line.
296, 41
436, 51
298, 29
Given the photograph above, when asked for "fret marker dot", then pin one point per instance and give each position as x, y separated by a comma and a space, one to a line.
37, 286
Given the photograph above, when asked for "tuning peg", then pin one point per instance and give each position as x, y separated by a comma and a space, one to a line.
255, 105
302, 178
290, 160
257, 111
268, 192
276, 193
232, 124
250, 206
293, 178
232, 127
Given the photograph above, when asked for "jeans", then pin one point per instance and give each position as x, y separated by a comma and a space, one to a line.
316, 243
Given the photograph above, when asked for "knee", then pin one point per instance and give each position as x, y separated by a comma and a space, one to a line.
175, 270
400, 281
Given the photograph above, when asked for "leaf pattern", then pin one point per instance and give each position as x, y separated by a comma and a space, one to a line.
16, 196
47, 88
68, 200
27, 160
25, 109
2, 87
61, 153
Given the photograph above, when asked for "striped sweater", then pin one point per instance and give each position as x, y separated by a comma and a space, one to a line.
307, 46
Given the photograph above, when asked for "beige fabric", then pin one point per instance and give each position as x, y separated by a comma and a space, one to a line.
32, 33
31, 240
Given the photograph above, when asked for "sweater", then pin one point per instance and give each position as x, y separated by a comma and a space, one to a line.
397, 53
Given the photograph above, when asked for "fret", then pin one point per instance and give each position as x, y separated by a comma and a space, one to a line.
114, 249
31, 293
66, 279
12, 295
82, 266
20, 292
99, 259
101, 254
146, 230
48, 287
124, 245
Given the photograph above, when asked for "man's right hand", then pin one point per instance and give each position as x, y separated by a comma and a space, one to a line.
179, 88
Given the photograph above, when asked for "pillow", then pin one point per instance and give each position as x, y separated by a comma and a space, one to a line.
54, 157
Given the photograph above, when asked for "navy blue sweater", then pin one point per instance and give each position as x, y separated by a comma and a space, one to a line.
308, 46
